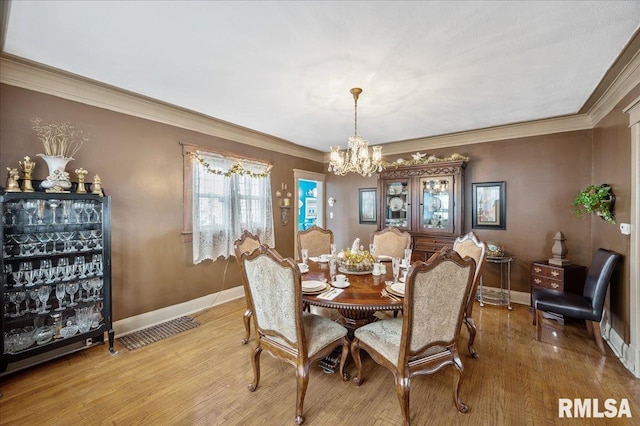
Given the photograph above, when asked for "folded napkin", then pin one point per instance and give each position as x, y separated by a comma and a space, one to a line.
330, 294
384, 258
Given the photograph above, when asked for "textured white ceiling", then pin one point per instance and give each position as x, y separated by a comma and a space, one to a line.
285, 67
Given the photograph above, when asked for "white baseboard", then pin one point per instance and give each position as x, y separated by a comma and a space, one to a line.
148, 319
627, 354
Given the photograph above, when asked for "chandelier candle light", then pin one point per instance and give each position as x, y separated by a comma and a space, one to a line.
356, 158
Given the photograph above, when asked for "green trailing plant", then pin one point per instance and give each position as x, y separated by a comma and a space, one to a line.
596, 199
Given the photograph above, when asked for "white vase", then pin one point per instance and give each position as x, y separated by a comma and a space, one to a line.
55, 162
57, 179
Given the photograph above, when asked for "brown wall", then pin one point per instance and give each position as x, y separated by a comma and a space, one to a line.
542, 176
611, 153
141, 166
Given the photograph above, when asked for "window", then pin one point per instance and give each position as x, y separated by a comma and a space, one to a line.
228, 195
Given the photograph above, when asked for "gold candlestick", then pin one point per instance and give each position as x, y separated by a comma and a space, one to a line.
27, 167
81, 173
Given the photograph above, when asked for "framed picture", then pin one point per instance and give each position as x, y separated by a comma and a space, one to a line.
489, 205
368, 205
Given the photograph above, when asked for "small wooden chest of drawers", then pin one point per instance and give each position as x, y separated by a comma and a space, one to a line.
564, 278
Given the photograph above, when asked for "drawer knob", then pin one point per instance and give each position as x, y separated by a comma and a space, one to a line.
537, 269
555, 285
555, 273
537, 280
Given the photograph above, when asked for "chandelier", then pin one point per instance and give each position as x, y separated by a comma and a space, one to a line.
356, 157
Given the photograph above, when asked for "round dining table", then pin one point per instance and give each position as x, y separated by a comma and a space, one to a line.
358, 302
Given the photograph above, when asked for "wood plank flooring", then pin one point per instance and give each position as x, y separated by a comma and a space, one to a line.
200, 377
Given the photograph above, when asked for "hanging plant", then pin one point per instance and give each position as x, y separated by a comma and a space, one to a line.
598, 200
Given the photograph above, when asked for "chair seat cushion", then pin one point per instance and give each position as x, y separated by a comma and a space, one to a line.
563, 303
383, 336
320, 331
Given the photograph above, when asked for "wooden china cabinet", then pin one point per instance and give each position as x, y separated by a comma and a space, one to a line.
427, 200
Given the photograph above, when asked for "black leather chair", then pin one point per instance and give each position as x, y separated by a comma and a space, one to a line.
589, 306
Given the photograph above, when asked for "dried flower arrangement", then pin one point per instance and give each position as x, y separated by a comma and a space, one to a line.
59, 139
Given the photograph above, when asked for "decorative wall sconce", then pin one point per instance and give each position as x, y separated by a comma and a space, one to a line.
285, 202
331, 201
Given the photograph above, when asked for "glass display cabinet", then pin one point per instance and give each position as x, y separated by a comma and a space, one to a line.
396, 201
56, 276
427, 200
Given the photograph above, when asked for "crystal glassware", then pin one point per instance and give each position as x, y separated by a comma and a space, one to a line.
305, 255
40, 209
66, 210
30, 207
72, 289
395, 264
53, 205
60, 293
19, 298
43, 295
78, 207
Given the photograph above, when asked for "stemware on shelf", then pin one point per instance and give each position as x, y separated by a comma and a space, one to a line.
66, 210
40, 210
43, 295
53, 205
72, 288
78, 207
60, 293
33, 295
30, 207
19, 298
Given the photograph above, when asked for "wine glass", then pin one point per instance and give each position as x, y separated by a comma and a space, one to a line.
60, 293
30, 207
395, 264
333, 249
72, 288
33, 295
305, 255
78, 207
407, 257
12, 209
40, 208
66, 210
88, 208
86, 285
53, 205
333, 266
19, 298
98, 286
79, 262
43, 295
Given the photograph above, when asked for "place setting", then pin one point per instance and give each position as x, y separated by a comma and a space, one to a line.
313, 286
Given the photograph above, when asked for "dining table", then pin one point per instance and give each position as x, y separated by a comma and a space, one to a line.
358, 302
355, 304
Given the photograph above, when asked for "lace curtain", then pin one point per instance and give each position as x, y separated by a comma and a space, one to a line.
224, 206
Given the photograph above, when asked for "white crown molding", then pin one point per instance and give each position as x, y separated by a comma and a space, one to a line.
39, 78
621, 86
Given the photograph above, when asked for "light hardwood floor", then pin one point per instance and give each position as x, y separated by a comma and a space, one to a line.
200, 377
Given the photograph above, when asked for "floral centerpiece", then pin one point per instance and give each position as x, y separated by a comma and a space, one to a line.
356, 260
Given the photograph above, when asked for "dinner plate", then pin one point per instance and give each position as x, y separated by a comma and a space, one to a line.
393, 289
396, 204
312, 285
316, 291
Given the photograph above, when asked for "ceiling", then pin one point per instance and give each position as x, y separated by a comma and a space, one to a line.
285, 68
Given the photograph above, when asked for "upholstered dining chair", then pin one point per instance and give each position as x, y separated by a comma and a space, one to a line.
589, 306
469, 245
315, 239
425, 338
390, 242
282, 329
247, 243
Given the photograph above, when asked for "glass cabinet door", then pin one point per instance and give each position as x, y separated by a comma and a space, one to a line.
436, 204
397, 203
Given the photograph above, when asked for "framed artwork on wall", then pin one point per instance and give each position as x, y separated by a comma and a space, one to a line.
489, 205
368, 206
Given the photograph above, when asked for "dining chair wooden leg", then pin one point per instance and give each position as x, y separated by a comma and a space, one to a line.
598, 336
255, 362
471, 327
457, 365
302, 377
355, 354
343, 359
402, 390
247, 325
